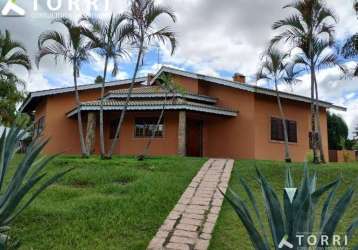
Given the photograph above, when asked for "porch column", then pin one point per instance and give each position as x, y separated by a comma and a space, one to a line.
91, 132
182, 134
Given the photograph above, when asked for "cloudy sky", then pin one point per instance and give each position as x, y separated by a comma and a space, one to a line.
215, 38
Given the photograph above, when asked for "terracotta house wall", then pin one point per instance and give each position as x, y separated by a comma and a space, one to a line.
190, 85
231, 137
41, 112
62, 131
265, 108
246, 136
41, 109
131, 145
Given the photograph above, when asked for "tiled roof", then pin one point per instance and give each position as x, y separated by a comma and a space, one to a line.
156, 92
38, 94
140, 90
245, 87
155, 105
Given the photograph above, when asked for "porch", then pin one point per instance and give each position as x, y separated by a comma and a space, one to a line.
181, 132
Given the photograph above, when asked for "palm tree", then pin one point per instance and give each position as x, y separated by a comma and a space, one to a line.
74, 49
109, 38
142, 16
275, 69
310, 29
350, 50
325, 56
170, 88
12, 53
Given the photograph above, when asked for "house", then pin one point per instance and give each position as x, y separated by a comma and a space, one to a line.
213, 118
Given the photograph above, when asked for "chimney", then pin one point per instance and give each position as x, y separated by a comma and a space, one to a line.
240, 78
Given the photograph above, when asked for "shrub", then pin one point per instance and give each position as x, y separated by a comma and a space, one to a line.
294, 218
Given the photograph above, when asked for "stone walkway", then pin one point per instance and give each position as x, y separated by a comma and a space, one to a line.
191, 223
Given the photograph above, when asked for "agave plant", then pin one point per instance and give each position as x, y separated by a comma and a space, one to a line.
15, 190
295, 221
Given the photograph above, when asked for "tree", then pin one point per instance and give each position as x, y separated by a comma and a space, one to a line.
99, 79
337, 131
310, 32
108, 39
11, 94
275, 69
74, 49
170, 88
142, 16
12, 53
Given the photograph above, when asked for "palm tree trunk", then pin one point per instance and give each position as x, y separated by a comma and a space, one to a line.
318, 123
120, 123
101, 132
79, 117
146, 149
313, 119
284, 124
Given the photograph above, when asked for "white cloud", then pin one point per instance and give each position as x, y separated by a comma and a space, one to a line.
212, 36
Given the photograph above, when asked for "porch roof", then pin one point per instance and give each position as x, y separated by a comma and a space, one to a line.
157, 92
152, 105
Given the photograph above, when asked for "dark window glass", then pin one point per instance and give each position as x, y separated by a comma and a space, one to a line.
145, 127
277, 130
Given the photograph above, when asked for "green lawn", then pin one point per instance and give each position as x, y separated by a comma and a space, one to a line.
117, 204
229, 231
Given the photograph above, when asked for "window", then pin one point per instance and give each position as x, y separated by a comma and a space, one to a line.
145, 127
39, 126
277, 130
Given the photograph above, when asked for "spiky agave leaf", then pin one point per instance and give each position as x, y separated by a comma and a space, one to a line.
256, 239
25, 178
254, 205
298, 216
273, 209
330, 226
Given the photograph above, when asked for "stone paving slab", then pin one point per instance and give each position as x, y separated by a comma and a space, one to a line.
191, 223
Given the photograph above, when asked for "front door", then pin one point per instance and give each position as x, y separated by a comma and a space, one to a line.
194, 138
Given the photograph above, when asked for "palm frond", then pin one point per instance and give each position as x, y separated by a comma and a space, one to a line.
292, 22
19, 58
154, 11
51, 36
65, 21
350, 48
163, 35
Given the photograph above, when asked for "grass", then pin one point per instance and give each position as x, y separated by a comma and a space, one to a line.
230, 233
117, 204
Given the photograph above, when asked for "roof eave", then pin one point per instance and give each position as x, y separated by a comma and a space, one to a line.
160, 95
50, 92
245, 87
156, 107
